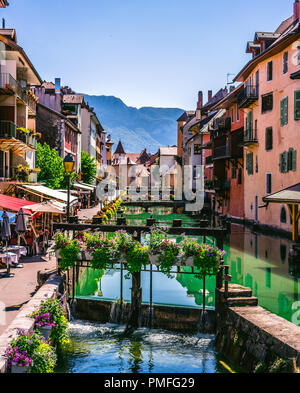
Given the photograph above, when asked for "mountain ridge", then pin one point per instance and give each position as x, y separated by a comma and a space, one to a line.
147, 127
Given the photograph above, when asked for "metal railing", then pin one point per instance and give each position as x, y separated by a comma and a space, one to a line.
221, 151
247, 96
7, 129
8, 82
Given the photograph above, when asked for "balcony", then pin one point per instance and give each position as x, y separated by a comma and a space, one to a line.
248, 96
8, 85
13, 139
237, 143
250, 138
222, 152
209, 160
221, 186
220, 127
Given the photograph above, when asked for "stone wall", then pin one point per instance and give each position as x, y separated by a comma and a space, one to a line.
172, 318
252, 338
52, 286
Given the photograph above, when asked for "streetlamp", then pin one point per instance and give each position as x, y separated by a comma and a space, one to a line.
69, 164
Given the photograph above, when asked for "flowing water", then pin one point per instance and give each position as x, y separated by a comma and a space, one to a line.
98, 348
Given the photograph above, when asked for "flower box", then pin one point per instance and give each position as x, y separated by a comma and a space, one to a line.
15, 369
45, 331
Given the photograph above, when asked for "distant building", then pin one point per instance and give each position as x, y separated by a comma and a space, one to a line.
3, 3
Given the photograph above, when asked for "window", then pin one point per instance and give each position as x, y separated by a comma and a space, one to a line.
297, 105
249, 163
256, 164
269, 183
232, 115
283, 162
267, 102
234, 172
284, 112
197, 149
283, 215
237, 113
269, 139
270, 71
292, 160
285, 62
240, 174
249, 126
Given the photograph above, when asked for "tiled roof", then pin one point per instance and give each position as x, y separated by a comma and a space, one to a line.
73, 99
9, 33
49, 85
168, 151
217, 97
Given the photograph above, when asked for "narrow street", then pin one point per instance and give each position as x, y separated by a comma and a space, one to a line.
17, 291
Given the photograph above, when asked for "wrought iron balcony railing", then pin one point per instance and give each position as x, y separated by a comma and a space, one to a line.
247, 96
7, 83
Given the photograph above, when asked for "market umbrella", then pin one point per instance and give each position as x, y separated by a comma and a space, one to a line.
6, 235
20, 225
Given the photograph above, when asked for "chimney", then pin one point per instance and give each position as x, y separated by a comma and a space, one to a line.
297, 11
200, 100
232, 88
3, 23
210, 95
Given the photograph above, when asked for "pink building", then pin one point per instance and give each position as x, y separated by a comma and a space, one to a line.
271, 104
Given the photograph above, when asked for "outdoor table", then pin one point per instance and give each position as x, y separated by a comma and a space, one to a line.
19, 251
8, 259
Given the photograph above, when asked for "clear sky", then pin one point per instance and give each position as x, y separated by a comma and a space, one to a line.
146, 52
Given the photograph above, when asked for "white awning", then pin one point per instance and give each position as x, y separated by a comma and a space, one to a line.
84, 187
50, 194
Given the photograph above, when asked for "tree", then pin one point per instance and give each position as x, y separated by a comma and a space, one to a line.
51, 166
88, 168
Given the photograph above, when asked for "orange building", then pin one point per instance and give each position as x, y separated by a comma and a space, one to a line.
270, 100
228, 136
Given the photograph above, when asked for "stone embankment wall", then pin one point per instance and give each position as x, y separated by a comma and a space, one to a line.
253, 338
50, 289
178, 319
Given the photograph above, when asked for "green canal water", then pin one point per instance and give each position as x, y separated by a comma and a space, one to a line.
256, 261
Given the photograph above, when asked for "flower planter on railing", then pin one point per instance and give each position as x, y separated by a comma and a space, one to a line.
45, 331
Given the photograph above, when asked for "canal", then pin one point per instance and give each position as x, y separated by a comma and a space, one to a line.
257, 261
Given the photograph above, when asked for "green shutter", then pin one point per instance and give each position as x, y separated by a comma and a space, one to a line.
297, 105
247, 127
247, 163
286, 110
250, 164
251, 125
282, 113
294, 160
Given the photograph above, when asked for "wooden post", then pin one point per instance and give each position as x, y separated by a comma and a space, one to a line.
204, 294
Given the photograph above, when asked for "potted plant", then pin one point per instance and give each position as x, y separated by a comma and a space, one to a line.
44, 323
30, 353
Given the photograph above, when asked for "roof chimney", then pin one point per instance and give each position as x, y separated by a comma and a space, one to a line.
297, 11
200, 100
210, 95
232, 88
3, 23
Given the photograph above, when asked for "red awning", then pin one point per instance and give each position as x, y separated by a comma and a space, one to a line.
15, 204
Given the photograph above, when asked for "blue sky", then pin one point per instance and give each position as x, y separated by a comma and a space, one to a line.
146, 52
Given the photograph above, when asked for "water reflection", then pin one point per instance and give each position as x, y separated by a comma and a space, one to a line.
256, 261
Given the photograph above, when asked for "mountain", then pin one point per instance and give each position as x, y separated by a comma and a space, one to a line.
137, 128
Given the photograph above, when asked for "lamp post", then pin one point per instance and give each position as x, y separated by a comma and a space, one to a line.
69, 164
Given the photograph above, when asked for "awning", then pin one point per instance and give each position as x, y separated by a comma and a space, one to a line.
290, 195
45, 192
84, 187
46, 207
15, 204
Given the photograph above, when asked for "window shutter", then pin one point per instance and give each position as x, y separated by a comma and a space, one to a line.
250, 164
294, 160
247, 127
281, 113
297, 105
286, 111
247, 163
251, 125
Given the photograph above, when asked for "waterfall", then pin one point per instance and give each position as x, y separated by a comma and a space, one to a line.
115, 313
149, 317
205, 323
